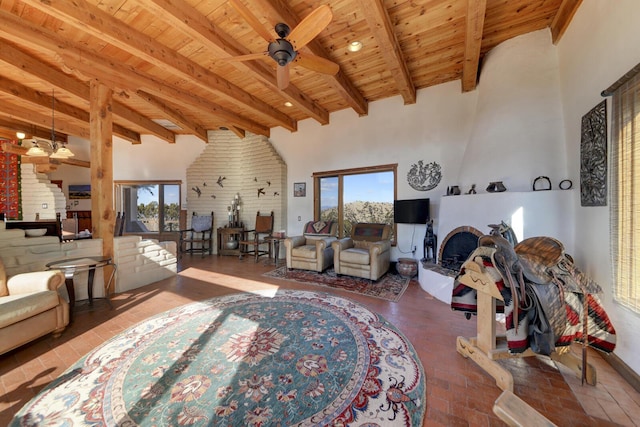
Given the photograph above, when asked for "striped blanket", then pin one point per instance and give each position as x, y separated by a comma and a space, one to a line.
600, 332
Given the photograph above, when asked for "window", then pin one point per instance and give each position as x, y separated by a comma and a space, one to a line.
355, 195
149, 207
625, 193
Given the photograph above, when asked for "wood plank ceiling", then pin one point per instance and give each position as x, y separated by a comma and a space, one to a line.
165, 59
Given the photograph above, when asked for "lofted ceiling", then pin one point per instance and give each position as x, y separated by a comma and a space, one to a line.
167, 61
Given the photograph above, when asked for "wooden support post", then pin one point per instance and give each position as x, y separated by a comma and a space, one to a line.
101, 122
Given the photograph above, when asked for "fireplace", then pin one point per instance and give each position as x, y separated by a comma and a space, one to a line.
457, 246
531, 213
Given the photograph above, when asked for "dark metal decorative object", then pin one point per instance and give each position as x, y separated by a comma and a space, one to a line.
593, 157
423, 177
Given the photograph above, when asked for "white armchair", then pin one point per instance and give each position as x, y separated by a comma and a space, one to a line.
30, 307
367, 253
312, 250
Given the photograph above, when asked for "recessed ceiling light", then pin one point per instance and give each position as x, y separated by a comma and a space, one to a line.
354, 46
288, 104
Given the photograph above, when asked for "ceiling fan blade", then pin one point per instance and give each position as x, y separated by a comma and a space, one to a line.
310, 27
251, 20
248, 57
282, 76
317, 63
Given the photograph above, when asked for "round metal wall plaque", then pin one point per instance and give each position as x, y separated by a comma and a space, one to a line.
423, 177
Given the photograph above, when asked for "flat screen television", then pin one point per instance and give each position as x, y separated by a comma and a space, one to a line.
414, 211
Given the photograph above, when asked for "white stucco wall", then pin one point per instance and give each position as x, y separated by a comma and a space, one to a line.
518, 129
154, 159
600, 46
435, 129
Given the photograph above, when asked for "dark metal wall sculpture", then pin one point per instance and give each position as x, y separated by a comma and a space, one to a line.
593, 157
423, 177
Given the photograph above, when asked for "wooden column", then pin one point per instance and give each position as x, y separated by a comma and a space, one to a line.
102, 214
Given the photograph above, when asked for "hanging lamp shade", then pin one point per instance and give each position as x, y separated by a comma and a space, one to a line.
36, 152
62, 153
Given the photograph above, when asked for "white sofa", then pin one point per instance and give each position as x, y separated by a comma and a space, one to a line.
30, 307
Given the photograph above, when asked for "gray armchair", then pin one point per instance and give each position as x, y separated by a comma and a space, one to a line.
312, 250
366, 253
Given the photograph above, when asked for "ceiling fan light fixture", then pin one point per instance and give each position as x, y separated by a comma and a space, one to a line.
20, 135
282, 52
354, 46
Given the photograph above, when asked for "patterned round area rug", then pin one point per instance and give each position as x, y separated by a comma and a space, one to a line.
298, 358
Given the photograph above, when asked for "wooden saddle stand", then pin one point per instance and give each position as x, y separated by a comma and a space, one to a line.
486, 348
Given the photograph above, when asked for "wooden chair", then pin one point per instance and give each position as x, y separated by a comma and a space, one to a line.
198, 238
261, 233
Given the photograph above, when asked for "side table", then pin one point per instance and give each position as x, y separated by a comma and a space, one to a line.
226, 235
71, 266
275, 242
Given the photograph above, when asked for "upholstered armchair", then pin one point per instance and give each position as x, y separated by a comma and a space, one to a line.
366, 253
30, 307
312, 250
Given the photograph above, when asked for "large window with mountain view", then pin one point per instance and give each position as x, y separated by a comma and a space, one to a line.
355, 195
149, 207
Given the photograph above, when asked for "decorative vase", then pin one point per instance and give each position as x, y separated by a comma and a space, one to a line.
231, 243
496, 187
407, 267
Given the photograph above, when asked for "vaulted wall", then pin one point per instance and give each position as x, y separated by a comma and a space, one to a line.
250, 167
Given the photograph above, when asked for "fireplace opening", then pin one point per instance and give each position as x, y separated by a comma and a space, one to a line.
457, 246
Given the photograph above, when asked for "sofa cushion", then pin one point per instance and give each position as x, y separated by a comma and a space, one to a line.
355, 256
306, 252
15, 308
318, 228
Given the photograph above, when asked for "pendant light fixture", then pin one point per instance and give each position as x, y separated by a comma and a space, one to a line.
58, 152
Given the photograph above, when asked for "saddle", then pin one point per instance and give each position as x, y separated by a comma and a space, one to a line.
529, 270
538, 272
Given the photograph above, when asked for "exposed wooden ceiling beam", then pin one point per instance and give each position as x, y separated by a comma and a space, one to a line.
94, 21
127, 78
175, 115
562, 19
43, 120
73, 55
31, 130
279, 11
28, 64
476, 10
181, 15
46, 101
380, 24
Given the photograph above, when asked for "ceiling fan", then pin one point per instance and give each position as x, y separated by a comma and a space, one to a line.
285, 49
